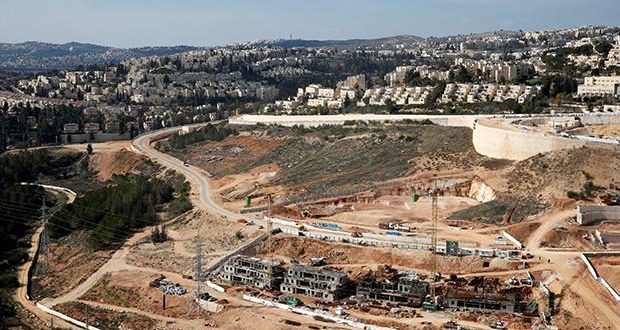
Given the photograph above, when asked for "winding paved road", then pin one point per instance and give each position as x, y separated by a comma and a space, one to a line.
200, 185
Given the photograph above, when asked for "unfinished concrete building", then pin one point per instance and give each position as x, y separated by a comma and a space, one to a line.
262, 274
315, 282
481, 301
405, 289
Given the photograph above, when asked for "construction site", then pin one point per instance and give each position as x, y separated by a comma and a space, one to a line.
424, 232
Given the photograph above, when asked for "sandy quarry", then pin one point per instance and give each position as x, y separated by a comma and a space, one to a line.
609, 268
358, 260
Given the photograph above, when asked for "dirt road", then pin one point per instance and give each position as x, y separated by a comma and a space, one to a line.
23, 275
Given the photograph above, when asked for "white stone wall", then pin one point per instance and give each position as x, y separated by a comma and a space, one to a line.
588, 214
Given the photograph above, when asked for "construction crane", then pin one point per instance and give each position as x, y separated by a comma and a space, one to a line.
433, 193
269, 233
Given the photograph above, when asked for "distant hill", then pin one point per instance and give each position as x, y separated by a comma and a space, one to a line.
40, 56
350, 43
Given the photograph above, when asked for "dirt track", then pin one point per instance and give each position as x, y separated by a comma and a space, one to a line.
23, 272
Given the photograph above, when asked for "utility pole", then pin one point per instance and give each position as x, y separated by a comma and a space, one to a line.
86, 312
42, 263
198, 276
52, 324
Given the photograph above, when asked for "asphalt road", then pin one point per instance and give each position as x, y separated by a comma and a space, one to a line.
196, 176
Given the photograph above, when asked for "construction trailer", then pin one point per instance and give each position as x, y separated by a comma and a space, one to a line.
252, 271
403, 288
326, 284
482, 301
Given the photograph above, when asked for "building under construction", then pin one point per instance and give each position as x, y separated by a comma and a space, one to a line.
482, 301
252, 271
402, 288
315, 282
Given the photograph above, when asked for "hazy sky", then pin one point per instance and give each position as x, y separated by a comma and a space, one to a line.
130, 23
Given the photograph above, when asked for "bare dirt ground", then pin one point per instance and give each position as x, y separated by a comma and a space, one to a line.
131, 289
357, 260
401, 209
69, 264
217, 236
567, 237
576, 313
604, 130
107, 319
521, 231
545, 175
609, 268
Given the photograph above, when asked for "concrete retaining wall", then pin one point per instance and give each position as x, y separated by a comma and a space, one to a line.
611, 290
215, 287
595, 274
601, 119
97, 137
318, 120
512, 239
312, 313
610, 237
590, 266
588, 214
505, 143
516, 145
210, 306
65, 317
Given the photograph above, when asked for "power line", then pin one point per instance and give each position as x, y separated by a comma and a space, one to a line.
42, 264
94, 225
194, 307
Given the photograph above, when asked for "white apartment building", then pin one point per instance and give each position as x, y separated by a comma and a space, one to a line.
475, 93
613, 58
326, 93
398, 76
317, 102
397, 95
599, 86
286, 104
312, 91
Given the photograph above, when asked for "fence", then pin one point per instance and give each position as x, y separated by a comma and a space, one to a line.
65, 317
598, 277
314, 313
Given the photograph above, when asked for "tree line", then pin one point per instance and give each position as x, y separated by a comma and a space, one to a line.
207, 133
129, 203
19, 210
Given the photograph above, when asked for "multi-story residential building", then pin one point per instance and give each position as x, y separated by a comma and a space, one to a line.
398, 75
613, 57
262, 274
474, 93
403, 288
317, 102
599, 86
326, 93
314, 282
